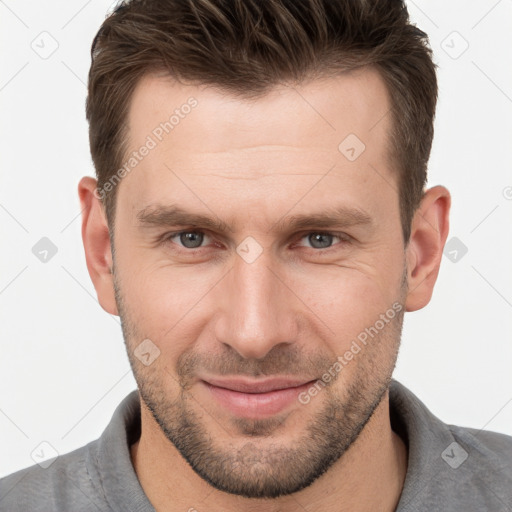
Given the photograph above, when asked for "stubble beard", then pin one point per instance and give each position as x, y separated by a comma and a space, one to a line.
254, 464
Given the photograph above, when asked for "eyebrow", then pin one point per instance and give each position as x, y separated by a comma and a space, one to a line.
172, 215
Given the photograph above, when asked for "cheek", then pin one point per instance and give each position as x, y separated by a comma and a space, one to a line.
346, 300
164, 303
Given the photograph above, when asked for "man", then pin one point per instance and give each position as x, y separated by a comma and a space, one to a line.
260, 225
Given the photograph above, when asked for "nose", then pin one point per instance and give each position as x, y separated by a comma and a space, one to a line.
257, 308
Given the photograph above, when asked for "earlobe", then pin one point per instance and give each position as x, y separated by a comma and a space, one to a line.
424, 251
96, 240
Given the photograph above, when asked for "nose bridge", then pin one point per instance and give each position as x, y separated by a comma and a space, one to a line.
256, 314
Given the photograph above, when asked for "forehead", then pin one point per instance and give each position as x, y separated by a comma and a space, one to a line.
335, 127
323, 110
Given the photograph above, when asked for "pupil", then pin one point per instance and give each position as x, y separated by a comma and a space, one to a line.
191, 239
318, 237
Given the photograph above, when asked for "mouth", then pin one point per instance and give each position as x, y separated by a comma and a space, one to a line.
255, 399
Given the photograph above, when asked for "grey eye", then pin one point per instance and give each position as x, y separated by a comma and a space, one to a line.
191, 239
320, 240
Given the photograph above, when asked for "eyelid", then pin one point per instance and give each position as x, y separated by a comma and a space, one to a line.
343, 237
168, 236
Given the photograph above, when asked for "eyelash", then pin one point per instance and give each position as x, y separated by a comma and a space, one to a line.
343, 237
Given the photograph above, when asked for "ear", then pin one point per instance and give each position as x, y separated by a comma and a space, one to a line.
96, 240
424, 251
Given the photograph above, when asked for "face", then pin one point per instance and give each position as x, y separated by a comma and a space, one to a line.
260, 252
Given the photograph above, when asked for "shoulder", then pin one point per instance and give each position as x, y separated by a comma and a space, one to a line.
500, 444
479, 467
97, 476
62, 483
489, 451
450, 467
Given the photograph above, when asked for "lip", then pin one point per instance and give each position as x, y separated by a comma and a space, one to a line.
257, 386
256, 398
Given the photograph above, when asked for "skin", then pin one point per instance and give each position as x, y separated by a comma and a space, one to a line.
290, 312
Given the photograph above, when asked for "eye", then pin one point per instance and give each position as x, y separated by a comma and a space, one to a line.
188, 239
323, 239
194, 239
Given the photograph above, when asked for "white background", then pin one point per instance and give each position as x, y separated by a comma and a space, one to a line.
63, 366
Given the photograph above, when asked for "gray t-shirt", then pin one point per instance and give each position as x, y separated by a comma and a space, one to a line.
451, 468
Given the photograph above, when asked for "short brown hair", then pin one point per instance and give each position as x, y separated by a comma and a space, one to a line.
248, 46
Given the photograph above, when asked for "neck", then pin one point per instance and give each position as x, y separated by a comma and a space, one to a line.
368, 477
